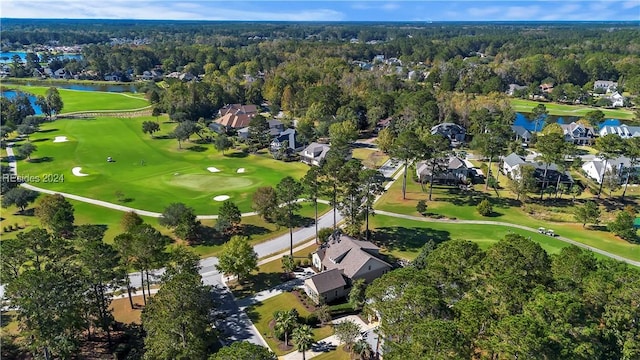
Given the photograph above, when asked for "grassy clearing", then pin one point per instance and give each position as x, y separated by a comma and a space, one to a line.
148, 173
404, 238
76, 100
521, 105
370, 158
262, 313
451, 203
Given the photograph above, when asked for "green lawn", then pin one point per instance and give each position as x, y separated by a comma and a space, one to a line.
521, 105
253, 226
148, 173
338, 354
76, 100
262, 313
448, 202
370, 158
404, 238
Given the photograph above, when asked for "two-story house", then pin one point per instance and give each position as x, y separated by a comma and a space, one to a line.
343, 257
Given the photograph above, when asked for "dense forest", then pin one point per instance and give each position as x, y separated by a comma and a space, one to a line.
323, 67
512, 301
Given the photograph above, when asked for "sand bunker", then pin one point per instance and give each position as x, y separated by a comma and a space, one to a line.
221, 197
77, 171
240, 171
60, 139
213, 169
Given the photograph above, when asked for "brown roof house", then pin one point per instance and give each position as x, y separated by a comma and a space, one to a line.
234, 116
353, 259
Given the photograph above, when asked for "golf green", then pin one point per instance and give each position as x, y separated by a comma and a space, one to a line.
146, 173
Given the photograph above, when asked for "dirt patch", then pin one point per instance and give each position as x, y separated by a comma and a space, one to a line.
122, 312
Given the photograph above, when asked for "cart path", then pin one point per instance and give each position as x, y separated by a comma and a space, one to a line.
280, 243
14, 169
517, 226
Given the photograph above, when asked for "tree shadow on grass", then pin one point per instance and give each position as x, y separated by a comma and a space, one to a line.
464, 198
408, 239
250, 230
256, 283
197, 148
253, 315
236, 155
302, 221
209, 236
41, 159
40, 140
47, 130
163, 137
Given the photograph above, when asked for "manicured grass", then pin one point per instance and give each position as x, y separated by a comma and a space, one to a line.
149, 173
404, 238
521, 105
338, 354
262, 313
451, 203
253, 226
76, 100
84, 214
370, 158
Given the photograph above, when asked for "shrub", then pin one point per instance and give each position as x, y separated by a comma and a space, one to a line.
421, 207
10, 228
323, 234
484, 208
4, 229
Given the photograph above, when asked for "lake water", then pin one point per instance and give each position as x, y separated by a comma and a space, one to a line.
10, 94
86, 87
522, 120
6, 57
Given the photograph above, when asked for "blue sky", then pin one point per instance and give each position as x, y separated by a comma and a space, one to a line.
364, 10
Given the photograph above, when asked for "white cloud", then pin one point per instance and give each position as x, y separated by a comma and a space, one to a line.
166, 10
390, 6
631, 5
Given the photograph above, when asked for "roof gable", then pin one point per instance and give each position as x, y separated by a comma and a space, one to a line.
328, 280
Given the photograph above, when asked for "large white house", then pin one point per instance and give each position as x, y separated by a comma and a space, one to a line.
623, 131
596, 168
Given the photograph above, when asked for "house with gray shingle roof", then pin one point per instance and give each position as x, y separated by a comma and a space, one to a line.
354, 258
623, 131
326, 286
314, 154
447, 170
521, 133
512, 163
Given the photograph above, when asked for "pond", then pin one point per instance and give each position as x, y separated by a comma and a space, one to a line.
86, 87
523, 120
10, 94
7, 56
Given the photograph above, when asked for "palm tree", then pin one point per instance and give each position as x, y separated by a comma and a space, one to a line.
302, 338
362, 348
285, 322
